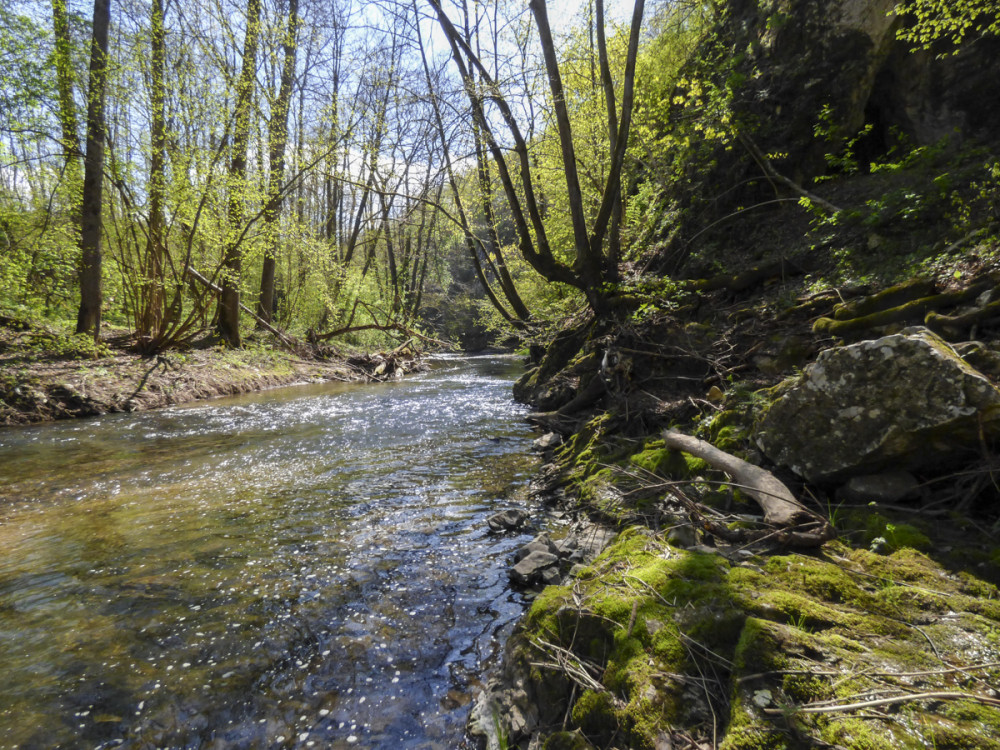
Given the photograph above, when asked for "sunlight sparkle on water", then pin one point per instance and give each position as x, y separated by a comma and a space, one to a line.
245, 571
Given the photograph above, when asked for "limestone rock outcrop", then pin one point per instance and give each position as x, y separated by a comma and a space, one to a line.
904, 401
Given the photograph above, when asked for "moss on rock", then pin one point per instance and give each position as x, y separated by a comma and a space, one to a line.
675, 638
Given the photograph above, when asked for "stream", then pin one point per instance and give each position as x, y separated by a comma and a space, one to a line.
303, 567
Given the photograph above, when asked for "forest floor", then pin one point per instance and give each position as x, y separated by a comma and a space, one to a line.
47, 375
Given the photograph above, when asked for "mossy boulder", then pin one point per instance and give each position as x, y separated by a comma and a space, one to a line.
901, 401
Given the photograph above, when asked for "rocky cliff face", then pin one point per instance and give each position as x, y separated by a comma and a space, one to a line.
804, 79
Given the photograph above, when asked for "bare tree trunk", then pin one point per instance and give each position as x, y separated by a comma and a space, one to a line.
152, 305
610, 210
587, 266
91, 294
527, 216
493, 240
591, 267
229, 299
617, 215
278, 139
470, 241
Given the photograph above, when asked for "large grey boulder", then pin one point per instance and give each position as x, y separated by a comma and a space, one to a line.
904, 401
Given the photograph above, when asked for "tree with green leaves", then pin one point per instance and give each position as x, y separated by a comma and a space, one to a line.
277, 143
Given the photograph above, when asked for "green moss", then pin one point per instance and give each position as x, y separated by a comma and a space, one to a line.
665, 644
657, 459
759, 648
754, 738
594, 713
626, 666
803, 688
986, 717
895, 535
730, 438
854, 734
975, 587
543, 615
773, 626
955, 738
653, 457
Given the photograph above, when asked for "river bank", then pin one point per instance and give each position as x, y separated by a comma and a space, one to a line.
47, 375
705, 624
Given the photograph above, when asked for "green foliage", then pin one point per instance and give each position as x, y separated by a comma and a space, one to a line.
26, 81
882, 535
843, 160
63, 345
956, 21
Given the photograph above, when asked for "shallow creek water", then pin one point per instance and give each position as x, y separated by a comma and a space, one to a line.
306, 567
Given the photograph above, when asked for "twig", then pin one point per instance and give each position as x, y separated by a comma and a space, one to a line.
832, 673
942, 696
771, 172
651, 590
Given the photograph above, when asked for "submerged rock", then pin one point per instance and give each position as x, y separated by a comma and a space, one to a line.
902, 401
507, 520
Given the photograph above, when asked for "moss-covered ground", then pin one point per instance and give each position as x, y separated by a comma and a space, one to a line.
842, 648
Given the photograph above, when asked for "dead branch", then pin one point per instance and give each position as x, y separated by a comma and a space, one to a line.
936, 696
781, 508
388, 326
786, 267
833, 673
772, 173
565, 661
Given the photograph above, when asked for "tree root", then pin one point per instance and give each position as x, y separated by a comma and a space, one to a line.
915, 310
952, 325
894, 296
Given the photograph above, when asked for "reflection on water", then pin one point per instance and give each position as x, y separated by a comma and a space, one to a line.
305, 568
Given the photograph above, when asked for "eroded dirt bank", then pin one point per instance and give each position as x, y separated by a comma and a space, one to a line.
46, 376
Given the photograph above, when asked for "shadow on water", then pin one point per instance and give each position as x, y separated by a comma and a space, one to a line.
306, 567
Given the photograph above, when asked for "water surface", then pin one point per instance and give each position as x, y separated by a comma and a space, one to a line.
305, 567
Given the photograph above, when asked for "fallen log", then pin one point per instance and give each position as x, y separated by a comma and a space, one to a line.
800, 525
735, 283
894, 296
